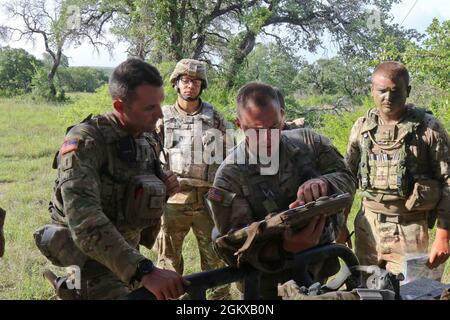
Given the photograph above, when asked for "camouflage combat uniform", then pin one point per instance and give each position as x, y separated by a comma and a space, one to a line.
241, 195
404, 173
186, 209
2, 236
107, 191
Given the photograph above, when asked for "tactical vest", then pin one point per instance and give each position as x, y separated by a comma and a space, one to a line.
131, 164
267, 194
387, 165
179, 142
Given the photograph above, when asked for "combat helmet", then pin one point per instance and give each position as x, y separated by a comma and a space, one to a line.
192, 68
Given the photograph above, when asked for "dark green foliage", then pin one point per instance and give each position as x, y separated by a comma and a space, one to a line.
17, 68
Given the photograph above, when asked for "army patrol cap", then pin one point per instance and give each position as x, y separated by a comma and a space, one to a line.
192, 68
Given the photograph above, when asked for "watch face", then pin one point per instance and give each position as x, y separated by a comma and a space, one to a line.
145, 267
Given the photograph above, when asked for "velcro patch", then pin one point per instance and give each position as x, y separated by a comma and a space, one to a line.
221, 196
69, 145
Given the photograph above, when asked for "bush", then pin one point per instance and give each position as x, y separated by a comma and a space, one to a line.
81, 79
17, 68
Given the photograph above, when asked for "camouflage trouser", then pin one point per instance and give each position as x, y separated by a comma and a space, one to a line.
99, 283
96, 281
105, 286
176, 224
386, 244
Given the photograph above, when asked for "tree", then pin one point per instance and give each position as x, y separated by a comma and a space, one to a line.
303, 24
176, 29
81, 79
429, 61
17, 68
60, 23
338, 75
271, 64
224, 32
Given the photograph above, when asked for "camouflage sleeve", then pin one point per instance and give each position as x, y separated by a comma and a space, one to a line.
332, 166
223, 125
439, 155
158, 137
236, 212
159, 129
335, 171
353, 156
231, 211
91, 229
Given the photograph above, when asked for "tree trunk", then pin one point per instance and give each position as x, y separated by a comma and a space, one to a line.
52, 73
199, 44
243, 50
177, 21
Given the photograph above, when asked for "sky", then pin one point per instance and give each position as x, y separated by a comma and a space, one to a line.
421, 13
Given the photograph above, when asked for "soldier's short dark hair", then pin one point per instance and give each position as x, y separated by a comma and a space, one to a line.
261, 94
130, 74
280, 97
392, 69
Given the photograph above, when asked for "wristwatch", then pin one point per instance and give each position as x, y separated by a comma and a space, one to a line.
144, 267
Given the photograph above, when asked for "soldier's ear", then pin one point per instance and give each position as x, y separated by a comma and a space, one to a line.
118, 105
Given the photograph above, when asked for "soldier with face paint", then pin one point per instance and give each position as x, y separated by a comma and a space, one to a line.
189, 128
401, 156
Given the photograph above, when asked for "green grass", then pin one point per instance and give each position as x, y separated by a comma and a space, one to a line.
30, 134
29, 137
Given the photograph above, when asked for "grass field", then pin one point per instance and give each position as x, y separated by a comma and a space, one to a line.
30, 134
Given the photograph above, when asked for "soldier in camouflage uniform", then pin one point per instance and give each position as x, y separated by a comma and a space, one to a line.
186, 125
110, 186
401, 156
309, 167
2, 236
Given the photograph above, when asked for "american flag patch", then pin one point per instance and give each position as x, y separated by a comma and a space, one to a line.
216, 195
68, 146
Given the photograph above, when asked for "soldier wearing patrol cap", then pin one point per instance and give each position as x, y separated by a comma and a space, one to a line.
188, 119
